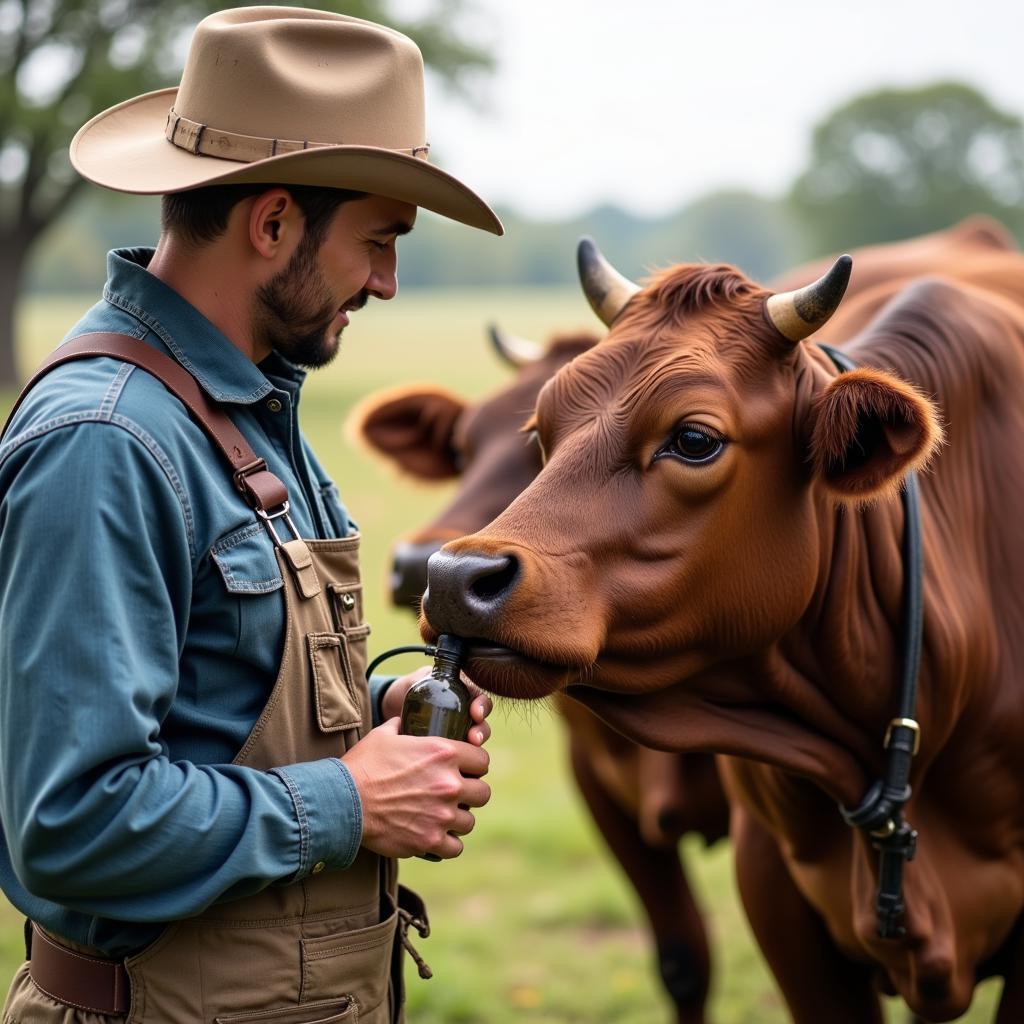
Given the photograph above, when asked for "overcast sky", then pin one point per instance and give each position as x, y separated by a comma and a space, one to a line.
649, 103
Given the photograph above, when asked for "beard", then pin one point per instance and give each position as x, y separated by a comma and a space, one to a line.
294, 311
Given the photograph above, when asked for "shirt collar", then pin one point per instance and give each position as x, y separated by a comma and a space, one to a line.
225, 372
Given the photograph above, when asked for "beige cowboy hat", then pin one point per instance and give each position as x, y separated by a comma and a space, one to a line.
286, 96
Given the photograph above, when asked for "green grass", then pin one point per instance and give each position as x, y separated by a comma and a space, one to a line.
534, 922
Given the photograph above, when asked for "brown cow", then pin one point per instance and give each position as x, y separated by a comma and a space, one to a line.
641, 800
710, 559
938, 252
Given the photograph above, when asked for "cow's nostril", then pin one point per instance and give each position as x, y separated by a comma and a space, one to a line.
466, 590
496, 582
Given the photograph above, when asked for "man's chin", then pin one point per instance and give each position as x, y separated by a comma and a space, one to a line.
312, 353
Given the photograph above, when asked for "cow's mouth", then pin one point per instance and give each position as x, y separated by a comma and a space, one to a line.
508, 672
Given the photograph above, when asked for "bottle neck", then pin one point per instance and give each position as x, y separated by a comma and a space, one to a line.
446, 667
448, 657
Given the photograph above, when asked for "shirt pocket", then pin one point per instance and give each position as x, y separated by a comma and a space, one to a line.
247, 561
252, 608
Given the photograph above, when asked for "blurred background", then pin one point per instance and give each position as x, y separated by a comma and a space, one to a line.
761, 135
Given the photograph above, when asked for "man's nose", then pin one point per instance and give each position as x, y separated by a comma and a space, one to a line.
383, 280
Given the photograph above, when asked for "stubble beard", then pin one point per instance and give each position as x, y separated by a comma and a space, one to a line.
294, 310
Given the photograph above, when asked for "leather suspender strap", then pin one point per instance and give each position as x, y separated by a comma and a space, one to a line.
261, 489
86, 982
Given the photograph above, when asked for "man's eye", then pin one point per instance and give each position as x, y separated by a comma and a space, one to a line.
693, 443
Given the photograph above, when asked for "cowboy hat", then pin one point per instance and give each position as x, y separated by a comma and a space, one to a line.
285, 96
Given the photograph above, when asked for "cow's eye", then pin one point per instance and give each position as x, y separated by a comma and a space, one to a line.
693, 443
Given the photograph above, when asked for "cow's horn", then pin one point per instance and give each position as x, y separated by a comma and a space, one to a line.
606, 289
800, 313
516, 351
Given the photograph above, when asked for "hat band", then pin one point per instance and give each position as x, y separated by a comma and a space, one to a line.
202, 140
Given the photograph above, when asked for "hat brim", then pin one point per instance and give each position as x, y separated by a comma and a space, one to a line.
125, 149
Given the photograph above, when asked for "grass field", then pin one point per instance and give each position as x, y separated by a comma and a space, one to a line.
533, 923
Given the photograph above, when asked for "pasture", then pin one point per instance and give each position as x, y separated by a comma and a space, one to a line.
533, 923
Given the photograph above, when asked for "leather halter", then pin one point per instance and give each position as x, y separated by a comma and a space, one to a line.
880, 813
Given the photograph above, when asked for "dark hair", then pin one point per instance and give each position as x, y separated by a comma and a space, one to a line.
200, 215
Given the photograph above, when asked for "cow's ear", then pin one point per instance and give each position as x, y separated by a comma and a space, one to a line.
868, 430
413, 427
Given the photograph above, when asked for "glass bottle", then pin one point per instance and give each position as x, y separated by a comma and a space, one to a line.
438, 705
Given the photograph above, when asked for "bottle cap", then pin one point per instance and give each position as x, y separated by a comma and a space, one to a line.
450, 647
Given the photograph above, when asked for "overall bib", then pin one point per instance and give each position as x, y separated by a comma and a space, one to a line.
324, 950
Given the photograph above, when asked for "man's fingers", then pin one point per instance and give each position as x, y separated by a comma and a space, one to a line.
473, 760
451, 846
464, 823
475, 793
480, 707
479, 734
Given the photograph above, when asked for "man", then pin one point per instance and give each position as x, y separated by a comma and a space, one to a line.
199, 819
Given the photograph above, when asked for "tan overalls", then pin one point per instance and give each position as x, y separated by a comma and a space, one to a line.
324, 950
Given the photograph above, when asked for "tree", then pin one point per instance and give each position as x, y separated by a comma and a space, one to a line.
61, 61
901, 162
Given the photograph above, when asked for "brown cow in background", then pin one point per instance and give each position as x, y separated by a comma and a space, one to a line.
641, 800
736, 585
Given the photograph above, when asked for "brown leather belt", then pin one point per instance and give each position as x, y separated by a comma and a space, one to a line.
86, 982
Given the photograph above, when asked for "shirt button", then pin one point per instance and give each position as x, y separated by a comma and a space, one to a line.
318, 867
274, 405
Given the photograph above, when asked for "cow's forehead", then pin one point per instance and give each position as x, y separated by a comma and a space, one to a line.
715, 355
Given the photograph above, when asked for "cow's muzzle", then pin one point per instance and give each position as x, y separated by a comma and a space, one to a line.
467, 591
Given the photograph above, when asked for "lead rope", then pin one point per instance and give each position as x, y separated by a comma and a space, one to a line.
880, 813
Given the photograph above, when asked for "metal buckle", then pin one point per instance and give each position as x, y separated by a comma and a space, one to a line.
885, 831
256, 466
280, 513
904, 723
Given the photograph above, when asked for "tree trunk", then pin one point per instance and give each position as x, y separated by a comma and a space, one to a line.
13, 259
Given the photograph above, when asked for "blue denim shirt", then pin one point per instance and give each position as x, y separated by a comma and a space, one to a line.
141, 629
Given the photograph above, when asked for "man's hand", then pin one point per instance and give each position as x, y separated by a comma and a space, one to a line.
480, 707
417, 791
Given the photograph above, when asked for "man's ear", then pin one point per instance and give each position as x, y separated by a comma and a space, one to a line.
868, 430
413, 427
275, 223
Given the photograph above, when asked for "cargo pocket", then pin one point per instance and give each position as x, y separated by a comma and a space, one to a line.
358, 962
336, 690
326, 1011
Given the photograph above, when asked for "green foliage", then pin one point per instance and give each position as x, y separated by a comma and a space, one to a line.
902, 162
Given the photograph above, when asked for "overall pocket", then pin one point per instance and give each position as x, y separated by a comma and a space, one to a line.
326, 1011
337, 693
357, 961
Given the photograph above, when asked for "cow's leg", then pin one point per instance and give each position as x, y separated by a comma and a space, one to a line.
659, 880
817, 981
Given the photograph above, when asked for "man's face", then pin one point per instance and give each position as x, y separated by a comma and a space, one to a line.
302, 310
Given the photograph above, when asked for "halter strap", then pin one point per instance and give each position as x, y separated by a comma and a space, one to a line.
880, 813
